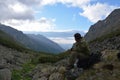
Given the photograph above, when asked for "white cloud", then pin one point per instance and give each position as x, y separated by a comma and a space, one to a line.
93, 12
15, 10
20, 13
47, 2
18, 7
60, 40
74, 3
97, 11
42, 24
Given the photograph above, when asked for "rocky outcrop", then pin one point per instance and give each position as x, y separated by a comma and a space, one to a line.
103, 27
109, 43
11, 60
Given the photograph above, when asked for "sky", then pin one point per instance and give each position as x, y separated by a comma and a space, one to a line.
55, 15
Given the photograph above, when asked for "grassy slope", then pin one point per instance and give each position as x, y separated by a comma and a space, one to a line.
8, 41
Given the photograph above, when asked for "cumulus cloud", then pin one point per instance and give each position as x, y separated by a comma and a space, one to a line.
12, 9
97, 11
21, 13
92, 12
43, 24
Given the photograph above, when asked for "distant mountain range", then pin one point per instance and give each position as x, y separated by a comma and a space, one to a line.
103, 27
34, 42
61, 35
57, 33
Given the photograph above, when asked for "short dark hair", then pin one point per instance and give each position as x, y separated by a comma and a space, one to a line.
77, 36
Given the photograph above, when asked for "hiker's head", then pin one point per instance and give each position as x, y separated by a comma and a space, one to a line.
77, 36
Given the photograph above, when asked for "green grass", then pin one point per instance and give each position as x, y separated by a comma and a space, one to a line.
39, 58
22, 74
48, 58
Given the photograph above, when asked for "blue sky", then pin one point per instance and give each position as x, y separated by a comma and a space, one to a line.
55, 15
69, 18
66, 17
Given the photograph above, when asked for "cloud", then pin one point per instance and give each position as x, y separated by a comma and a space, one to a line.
43, 24
93, 12
97, 11
29, 2
60, 40
21, 13
74, 3
14, 10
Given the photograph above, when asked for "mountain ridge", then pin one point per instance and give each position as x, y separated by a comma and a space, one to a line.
103, 27
30, 42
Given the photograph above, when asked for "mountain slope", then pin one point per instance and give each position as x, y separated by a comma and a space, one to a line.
8, 41
105, 34
104, 27
48, 44
29, 42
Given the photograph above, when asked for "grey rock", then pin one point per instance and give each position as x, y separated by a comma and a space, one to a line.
2, 63
5, 74
43, 78
56, 76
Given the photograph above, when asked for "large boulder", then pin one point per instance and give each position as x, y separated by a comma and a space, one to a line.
5, 74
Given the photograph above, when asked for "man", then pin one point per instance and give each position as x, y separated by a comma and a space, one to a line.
79, 50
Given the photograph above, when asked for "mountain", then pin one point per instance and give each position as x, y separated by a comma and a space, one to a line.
104, 27
105, 34
64, 38
45, 42
29, 42
9, 41
57, 33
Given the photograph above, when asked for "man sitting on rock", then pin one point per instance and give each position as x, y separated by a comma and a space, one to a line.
79, 51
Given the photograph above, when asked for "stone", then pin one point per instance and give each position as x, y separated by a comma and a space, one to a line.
5, 74
109, 56
56, 76
43, 78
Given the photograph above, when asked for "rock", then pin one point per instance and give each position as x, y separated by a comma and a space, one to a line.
73, 73
43, 78
63, 62
109, 56
36, 76
56, 76
5, 74
2, 63
62, 70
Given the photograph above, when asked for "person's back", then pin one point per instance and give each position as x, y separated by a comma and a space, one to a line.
79, 50
81, 47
